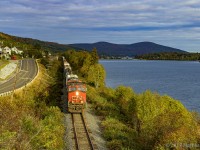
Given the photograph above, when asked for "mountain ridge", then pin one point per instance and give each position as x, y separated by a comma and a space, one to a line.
140, 48
103, 47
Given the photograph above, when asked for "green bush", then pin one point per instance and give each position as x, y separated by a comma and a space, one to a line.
114, 145
51, 129
117, 132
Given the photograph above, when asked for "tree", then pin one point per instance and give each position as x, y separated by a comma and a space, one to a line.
95, 56
37, 46
123, 97
86, 65
96, 75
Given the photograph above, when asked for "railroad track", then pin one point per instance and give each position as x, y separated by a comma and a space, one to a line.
81, 134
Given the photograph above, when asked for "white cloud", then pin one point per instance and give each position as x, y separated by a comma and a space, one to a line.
156, 20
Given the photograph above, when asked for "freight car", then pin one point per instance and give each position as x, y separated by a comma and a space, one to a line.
67, 67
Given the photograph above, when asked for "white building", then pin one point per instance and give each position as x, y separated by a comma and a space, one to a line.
7, 50
14, 49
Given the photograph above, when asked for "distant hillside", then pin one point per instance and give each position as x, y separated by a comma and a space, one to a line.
51, 46
105, 48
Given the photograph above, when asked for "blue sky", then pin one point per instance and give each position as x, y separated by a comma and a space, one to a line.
174, 23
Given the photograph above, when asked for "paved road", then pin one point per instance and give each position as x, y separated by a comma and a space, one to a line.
27, 70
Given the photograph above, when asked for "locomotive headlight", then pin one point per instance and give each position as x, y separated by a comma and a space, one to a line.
77, 93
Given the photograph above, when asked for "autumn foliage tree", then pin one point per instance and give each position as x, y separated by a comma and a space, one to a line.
86, 65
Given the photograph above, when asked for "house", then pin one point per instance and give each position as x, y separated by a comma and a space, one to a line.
20, 52
14, 49
7, 50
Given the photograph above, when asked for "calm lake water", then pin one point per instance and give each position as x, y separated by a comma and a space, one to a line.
178, 79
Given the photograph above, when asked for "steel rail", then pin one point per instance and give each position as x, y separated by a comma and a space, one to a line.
75, 133
89, 141
88, 136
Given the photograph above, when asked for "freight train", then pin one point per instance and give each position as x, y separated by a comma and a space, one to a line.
76, 90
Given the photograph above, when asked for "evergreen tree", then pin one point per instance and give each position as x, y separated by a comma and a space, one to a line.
95, 56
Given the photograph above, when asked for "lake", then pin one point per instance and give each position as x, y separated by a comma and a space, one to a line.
178, 79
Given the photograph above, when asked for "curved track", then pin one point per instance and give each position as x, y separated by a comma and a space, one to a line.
26, 72
81, 134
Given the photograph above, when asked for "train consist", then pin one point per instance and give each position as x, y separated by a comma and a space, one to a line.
76, 90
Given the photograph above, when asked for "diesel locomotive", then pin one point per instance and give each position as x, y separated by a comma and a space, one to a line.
76, 90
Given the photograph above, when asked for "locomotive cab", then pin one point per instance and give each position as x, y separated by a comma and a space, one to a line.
76, 95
